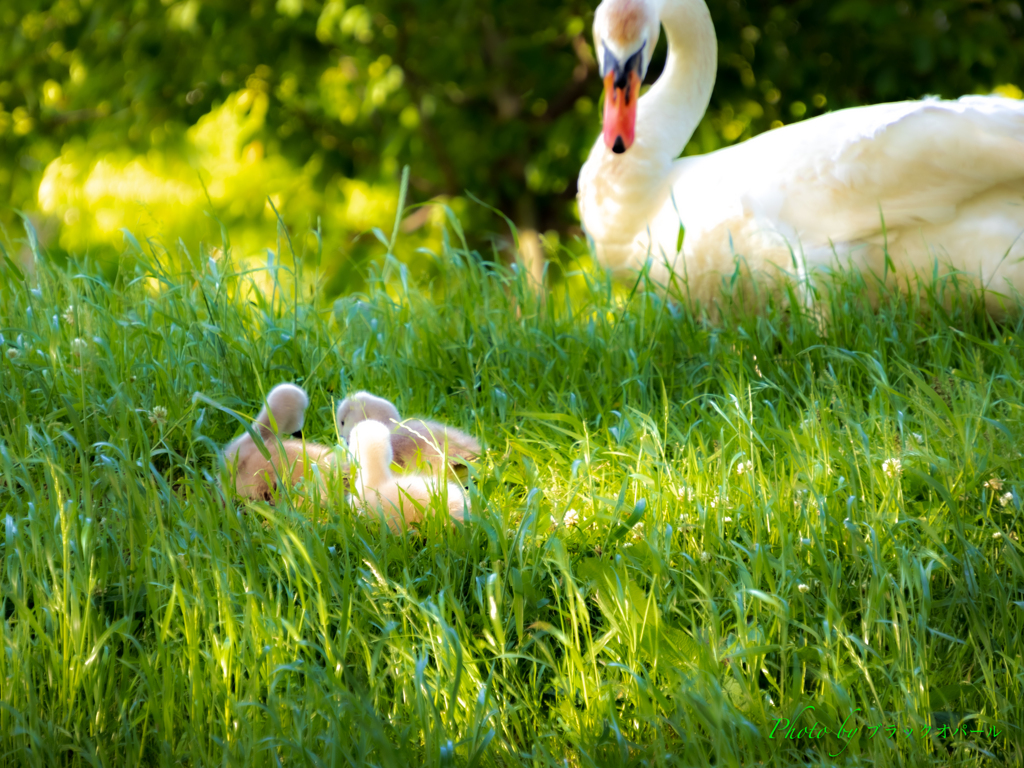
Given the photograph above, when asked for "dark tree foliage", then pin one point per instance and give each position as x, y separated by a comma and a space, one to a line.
856, 52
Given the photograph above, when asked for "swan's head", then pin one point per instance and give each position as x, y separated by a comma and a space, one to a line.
625, 34
362, 406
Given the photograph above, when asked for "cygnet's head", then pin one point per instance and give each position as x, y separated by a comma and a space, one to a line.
288, 403
362, 406
370, 441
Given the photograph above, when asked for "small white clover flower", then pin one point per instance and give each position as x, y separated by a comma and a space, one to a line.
69, 314
158, 415
571, 517
13, 353
78, 346
726, 519
686, 492
1006, 498
994, 484
744, 467
997, 535
803, 588
705, 557
892, 467
714, 502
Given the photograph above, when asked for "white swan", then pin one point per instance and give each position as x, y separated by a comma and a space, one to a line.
257, 477
947, 176
398, 497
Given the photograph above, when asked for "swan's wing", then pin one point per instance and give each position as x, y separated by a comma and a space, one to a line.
831, 178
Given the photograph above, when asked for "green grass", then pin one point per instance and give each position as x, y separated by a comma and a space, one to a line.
739, 553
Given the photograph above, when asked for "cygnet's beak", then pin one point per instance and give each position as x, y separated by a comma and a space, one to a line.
621, 92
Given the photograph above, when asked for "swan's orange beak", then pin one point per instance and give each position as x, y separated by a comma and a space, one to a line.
620, 110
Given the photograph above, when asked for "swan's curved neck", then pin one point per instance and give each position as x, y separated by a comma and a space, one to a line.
619, 194
668, 114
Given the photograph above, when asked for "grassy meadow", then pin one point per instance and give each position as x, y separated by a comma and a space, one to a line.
739, 543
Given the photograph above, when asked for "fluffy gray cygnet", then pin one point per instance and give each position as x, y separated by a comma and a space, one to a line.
257, 477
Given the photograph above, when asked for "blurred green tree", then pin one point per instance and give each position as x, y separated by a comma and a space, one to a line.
147, 113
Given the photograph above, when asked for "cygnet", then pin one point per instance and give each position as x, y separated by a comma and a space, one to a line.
256, 476
413, 441
401, 498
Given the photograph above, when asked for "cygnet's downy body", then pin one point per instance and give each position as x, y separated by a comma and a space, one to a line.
414, 442
258, 477
402, 499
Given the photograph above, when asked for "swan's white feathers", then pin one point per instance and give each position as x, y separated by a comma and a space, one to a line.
824, 187
914, 163
831, 173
